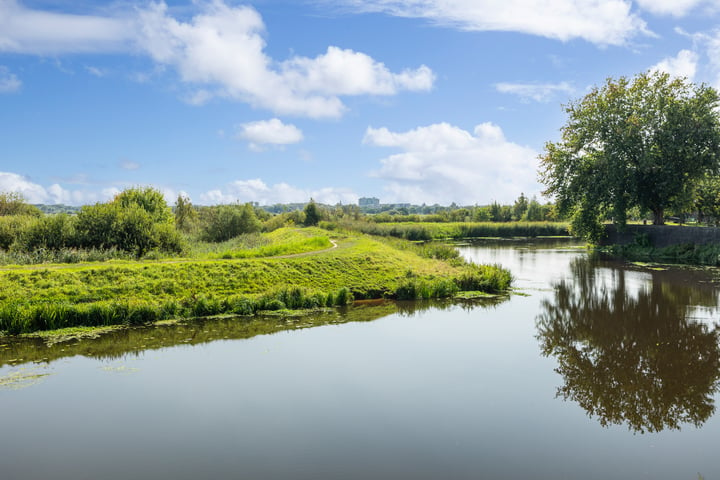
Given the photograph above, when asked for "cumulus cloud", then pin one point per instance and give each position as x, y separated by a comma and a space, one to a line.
220, 52
684, 64
536, 92
443, 163
8, 81
603, 22
256, 190
36, 193
222, 49
677, 8
269, 132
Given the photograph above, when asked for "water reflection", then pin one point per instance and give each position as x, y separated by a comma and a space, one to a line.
126, 342
630, 346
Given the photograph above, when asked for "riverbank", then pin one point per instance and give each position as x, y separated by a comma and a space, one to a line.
664, 244
58, 296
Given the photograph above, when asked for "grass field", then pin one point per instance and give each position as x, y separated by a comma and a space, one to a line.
138, 292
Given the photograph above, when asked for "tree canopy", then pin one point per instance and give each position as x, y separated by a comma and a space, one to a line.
632, 142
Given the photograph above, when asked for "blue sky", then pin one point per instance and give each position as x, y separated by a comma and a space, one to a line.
276, 101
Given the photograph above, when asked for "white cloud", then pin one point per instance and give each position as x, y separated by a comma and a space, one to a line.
256, 190
222, 49
23, 30
684, 64
603, 22
677, 8
443, 163
35, 193
269, 132
220, 52
532, 91
98, 72
8, 81
129, 165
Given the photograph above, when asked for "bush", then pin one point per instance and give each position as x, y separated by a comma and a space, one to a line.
52, 232
223, 222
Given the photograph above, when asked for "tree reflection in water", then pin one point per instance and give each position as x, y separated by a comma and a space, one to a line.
631, 353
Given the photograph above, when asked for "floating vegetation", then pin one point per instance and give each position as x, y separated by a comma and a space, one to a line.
122, 369
21, 378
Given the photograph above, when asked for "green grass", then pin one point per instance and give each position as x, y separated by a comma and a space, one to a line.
283, 241
135, 293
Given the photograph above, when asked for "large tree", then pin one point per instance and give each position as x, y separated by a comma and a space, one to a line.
632, 142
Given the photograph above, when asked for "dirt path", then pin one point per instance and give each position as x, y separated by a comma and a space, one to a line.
306, 254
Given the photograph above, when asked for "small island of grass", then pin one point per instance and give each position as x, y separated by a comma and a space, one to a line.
289, 268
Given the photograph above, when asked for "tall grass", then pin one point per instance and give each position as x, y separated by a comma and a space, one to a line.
17, 317
456, 230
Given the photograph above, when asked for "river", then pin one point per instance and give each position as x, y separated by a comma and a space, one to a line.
593, 369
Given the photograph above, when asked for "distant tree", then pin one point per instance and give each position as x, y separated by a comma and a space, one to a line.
534, 212
495, 212
185, 214
639, 142
520, 207
481, 214
13, 203
312, 213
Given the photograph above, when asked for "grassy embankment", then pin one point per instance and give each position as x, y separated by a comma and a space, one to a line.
455, 230
141, 292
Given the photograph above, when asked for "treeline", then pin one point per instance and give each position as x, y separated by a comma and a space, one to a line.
138, 223
523, 210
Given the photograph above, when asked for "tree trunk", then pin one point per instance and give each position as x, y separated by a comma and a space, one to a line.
658, 216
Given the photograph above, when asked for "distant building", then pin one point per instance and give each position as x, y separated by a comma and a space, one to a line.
368, 201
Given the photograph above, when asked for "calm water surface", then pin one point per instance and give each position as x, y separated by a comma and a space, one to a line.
596, 370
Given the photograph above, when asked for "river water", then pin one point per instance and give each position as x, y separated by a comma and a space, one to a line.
594, 369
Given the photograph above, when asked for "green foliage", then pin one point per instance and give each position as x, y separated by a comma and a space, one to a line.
313, 215
149, 199
520, 207
185, 214
707, 199
136, 221
640, 142
285, 219
534, 212
13, 203
223, 222
52, 232
437, 231
12, 227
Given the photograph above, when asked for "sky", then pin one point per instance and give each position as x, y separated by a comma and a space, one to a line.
280, 101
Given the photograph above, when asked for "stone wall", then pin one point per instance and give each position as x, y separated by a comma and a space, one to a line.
662, 235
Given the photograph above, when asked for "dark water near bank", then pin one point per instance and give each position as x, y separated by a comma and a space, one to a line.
597, 370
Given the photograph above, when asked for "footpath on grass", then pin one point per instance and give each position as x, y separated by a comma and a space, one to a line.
355, 266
